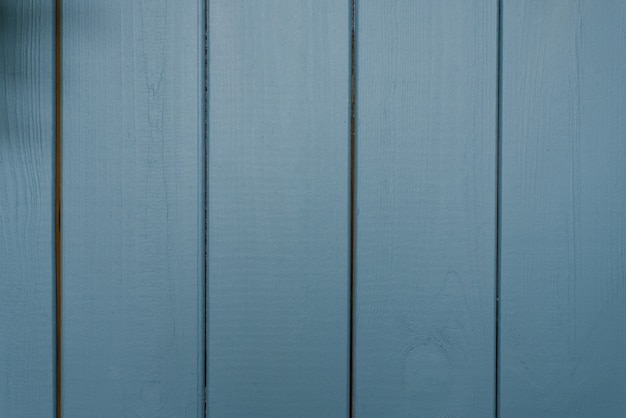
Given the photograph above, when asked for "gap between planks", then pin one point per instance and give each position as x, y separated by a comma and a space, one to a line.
352, 200
498, 207
57, 202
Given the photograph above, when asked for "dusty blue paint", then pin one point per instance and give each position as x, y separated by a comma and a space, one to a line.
130, 208
563, 283
278, 208
426, 188
26, 209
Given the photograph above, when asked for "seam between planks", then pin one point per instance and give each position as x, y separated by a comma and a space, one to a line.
352, 200
498, 206
57, 203
205, 195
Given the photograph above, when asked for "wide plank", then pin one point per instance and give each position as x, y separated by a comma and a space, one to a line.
131, 197
278, 188
27, 208
426, 205
563, 233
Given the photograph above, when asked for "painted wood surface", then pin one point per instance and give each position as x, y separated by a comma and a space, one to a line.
563, 283
426, 188
278, 189
26, 209
131, 220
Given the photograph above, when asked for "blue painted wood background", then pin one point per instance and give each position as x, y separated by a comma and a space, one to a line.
426, 190
563, 231
207, 225
277, 193
27, 365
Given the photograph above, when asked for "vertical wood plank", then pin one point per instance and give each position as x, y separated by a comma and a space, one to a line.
26, 208
130, 208
425, 243
563, 292
278, 208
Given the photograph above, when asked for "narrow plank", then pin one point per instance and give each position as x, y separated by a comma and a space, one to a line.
563, 337
130, 208
278, 208
426, 189
26, 208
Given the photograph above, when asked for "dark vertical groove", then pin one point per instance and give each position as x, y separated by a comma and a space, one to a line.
205, 188
205, 195
498, 204
352, 197
57, 201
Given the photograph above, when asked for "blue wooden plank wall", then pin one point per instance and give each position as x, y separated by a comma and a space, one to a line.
131, 141
278, 259
26, 208
426, 190
206, 208
563, 232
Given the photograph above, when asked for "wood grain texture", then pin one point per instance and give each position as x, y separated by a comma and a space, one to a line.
26, 209
278, 208
563, 292
130, 220
426, 189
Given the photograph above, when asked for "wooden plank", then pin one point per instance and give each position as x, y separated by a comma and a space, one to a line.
563, 293
278, 208
426, 188
131, 225
26, 208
